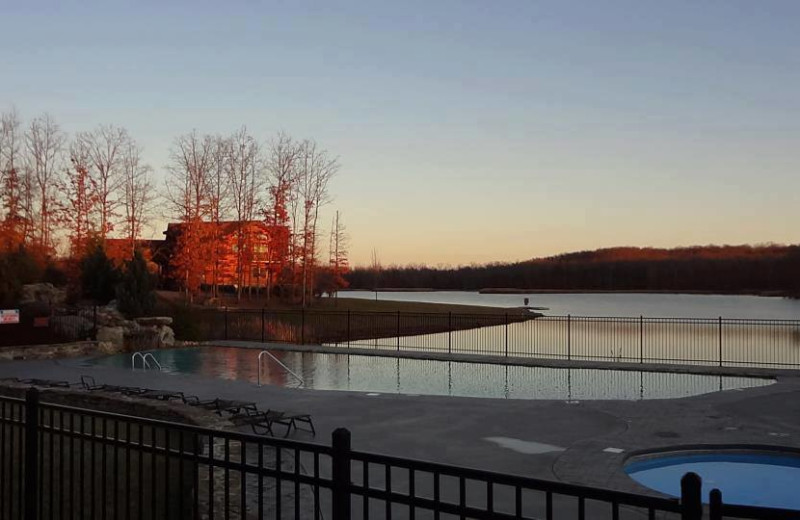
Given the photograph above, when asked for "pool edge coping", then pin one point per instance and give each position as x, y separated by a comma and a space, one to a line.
756, 372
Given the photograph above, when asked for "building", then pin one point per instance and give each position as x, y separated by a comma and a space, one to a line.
221, 243
119, 251
215, 253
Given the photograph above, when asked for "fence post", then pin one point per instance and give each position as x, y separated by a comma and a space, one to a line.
398, 331
641, 339
450, 332
569, 336
720, 341
348, 328
691, 502
31, 453
262, 324
715, 504
506, 315
225, 313
303, 326
340, 470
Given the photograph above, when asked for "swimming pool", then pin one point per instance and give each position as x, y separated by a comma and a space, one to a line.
414, 376
745, 478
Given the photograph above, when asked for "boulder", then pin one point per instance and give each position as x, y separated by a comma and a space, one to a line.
166, 337
154, 321
113, 335
44, 293
143, 338
105, 317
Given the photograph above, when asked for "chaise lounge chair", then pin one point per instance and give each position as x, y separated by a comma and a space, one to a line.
51, 383
89, 383
261, 422
230, 406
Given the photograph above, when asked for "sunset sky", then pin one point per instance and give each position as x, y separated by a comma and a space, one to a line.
468, 131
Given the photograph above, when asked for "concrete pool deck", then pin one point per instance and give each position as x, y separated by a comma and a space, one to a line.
583, 442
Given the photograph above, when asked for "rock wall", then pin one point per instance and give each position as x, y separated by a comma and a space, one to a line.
62, 350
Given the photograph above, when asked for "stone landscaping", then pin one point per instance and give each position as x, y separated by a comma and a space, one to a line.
114, 332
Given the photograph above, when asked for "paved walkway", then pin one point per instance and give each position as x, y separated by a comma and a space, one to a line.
545, 439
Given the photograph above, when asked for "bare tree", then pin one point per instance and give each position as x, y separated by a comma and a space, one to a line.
14, 181
218, 203
45, 141
79, 194
137, 192
376, 268
187, 195
315, 171
338, 253
339, 243
245, 180
106, 147
281, 170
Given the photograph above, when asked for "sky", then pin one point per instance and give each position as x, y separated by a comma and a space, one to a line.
467, 131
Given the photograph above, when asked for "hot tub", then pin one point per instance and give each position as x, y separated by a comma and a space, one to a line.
756, 478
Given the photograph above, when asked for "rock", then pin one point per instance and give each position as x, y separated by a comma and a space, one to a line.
166, 337
42, 292
141, 339
105, 316
154, 321
114, 335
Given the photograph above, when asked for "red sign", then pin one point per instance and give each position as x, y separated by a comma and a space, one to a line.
9, 316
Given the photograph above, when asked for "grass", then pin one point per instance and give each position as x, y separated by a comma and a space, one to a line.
329, 320
349, 304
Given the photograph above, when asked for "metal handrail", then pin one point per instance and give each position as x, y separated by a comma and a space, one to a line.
278, 361
145, 357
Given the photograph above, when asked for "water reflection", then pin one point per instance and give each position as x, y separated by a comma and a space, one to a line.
712, 342
446, 378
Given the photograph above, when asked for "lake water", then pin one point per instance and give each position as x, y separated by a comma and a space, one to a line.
613, 304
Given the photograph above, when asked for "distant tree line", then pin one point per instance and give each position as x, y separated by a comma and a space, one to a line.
722, 269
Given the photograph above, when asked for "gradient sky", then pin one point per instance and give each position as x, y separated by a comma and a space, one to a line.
467, 131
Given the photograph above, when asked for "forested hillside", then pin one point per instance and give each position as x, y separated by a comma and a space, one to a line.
756, 269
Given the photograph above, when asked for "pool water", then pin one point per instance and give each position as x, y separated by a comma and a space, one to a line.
756, 479
413, 376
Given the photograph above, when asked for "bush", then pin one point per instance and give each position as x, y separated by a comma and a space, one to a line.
186, 323
55, 275
17, 268
99, 276
135, 294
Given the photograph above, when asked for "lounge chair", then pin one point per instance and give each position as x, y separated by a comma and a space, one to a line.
230, 406
261, 422
161, 395
88, 383
51, 383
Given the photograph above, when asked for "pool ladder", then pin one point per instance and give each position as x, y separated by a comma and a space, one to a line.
278, 361
146, 358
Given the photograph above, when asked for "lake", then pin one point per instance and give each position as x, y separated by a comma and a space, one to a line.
613, 304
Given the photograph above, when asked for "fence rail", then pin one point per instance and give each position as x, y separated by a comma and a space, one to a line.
698, 341
50, 327
60, 462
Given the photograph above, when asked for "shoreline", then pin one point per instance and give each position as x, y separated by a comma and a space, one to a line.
491, 290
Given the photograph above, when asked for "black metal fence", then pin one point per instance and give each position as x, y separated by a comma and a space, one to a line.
46, 326
60, 462
699, 341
